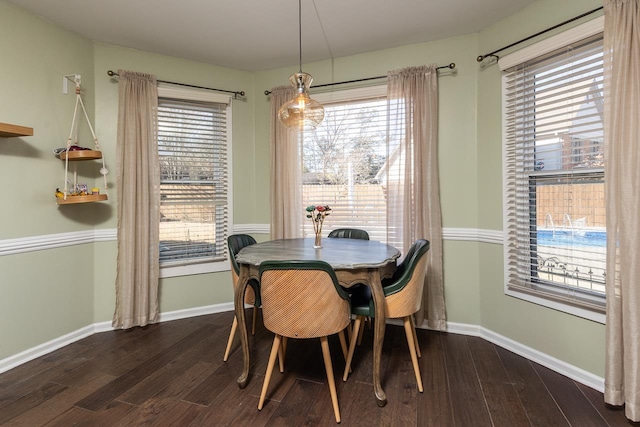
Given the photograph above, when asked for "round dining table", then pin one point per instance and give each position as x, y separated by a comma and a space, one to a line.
354, 261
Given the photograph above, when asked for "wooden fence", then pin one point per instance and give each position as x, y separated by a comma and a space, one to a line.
360, 205
567, 205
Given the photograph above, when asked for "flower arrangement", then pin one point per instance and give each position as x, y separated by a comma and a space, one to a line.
317, 215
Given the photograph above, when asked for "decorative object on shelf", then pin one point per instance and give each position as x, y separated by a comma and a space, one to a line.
301, 110
317, 215
75, 192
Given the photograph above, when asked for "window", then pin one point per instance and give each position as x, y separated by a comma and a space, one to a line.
342, 161
555, 227
193, 138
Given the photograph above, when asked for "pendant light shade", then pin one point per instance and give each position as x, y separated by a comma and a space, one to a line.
301, 111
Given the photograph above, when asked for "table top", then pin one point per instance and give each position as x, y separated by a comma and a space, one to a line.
340, 253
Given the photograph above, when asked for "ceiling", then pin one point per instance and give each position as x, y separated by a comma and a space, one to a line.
254, 35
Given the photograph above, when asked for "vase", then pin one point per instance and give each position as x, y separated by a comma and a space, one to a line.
317, 244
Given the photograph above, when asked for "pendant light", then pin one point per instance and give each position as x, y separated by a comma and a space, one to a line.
301, 110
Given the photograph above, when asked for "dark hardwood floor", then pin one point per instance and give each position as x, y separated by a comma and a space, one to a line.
173, 374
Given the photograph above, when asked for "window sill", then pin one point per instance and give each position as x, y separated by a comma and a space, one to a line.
192, 269
565, 308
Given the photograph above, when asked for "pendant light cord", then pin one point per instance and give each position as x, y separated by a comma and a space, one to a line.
300, 31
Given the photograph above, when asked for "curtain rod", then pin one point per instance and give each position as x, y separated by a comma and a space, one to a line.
481, 58
450, 66
235, 93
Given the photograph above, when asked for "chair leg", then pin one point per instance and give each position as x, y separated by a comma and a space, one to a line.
352, 347
330, 379
343, 344
267, 377
253, 324
412, 351
415, 336
281, 350
234, 327
360, 333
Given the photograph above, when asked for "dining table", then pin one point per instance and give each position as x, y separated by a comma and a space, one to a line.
354, 261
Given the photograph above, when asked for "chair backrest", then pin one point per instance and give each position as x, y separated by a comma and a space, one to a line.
302, 299
404, 296
349, 233
235, 242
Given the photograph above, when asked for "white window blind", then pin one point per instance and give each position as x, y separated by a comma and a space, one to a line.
343, 159
194, 206
555, 224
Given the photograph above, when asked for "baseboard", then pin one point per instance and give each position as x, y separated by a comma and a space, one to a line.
557, 365
46, 348
50, 346
573, 372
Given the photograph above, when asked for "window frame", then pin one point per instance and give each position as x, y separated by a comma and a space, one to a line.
533, 51
173, 269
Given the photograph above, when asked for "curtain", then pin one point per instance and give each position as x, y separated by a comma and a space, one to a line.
622, 181
286, 199
413, 208
138, 183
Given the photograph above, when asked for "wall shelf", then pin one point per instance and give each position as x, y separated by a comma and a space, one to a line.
11, 131
81, 155
78, 191
82, 199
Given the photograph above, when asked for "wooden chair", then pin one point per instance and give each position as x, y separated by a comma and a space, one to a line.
403, 295
235, 242
302, 299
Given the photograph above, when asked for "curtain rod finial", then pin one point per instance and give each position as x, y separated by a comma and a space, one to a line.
480, 58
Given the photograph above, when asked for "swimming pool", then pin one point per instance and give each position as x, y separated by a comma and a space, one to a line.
565, 237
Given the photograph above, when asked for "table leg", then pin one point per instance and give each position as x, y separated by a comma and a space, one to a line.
243, 280
375, 284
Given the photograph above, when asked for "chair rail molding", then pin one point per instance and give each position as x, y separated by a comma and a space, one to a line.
72, 238
495, 237
52, 241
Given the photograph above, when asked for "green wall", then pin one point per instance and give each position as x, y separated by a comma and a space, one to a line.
43, 294
571, 339
46, 294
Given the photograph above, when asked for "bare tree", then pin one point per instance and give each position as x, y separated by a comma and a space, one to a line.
345, 146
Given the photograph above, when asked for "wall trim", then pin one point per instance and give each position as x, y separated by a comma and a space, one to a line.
252, 228
56, 343
557, 365
473, 235
52, 241
59, 240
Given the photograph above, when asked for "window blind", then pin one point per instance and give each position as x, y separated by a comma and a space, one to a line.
555, 244
192, 149
343, 160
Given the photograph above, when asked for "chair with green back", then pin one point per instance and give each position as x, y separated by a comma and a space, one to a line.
352, 233
236, 242
303, 299
403, 296
349, 233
